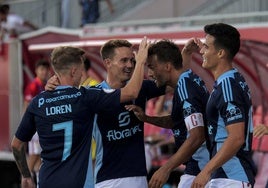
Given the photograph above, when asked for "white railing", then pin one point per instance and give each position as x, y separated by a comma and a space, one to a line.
171, 24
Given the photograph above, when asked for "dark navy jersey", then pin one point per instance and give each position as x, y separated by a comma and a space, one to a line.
230, 103
120, 138
64, 122
190, 96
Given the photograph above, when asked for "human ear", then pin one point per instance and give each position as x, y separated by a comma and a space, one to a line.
221, 53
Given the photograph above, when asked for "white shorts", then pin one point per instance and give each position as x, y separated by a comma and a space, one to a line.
129, 182
34, 146
227, 183
186, 180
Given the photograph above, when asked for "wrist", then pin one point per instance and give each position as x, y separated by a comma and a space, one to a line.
186, 51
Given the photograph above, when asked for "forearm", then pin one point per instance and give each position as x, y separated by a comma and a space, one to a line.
162, 121
132, 89
20, 157
186, 57
229, 149
187, 149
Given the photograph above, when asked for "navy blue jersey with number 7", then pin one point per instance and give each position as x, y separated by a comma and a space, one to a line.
64, 121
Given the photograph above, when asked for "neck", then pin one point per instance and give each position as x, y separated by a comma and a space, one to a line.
174, 77
115, 84
66, 81
222, 68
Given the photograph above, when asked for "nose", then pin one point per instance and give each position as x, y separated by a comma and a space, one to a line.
130, 63
202, 50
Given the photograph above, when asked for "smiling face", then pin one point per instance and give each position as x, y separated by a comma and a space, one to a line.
157, 71
209, 53
120, 67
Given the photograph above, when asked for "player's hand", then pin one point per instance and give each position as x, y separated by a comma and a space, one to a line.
27, 183
159, 178
141, 55
260, 130
192, 45
138, 111
201, 180
52, 83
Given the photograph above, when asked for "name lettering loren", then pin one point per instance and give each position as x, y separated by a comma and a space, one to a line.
55, 110
118, 135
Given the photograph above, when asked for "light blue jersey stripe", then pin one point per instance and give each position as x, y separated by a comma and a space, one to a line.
182, 90
99, 148
89, 183
233, 168
227, 90
249, 130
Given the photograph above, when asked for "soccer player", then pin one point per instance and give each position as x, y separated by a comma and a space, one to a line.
187, 116
229, 113
120, 155
64, 121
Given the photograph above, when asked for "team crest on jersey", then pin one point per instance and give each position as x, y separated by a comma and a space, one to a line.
108, 90
233, 112
188, 109
198, 81
210, 128
176, 132
124, 119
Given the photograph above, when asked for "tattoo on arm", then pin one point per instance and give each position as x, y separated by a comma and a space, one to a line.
21, 161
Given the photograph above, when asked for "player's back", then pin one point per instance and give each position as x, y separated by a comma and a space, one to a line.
64, 120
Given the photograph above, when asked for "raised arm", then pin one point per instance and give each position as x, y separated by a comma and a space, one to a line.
132, 89
191, 46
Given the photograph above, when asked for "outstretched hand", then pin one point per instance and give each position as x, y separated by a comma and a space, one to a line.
260, 130
191, 46
141, 55
138, 111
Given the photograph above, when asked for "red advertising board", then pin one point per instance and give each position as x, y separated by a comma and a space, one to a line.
4, 98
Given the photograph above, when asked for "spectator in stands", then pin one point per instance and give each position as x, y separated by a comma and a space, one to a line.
91, 12
42, 69
12, 25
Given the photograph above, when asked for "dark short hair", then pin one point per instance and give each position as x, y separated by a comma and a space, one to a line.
4, 9
87, 64
166, 51
107, 50
226, 37
42, 62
